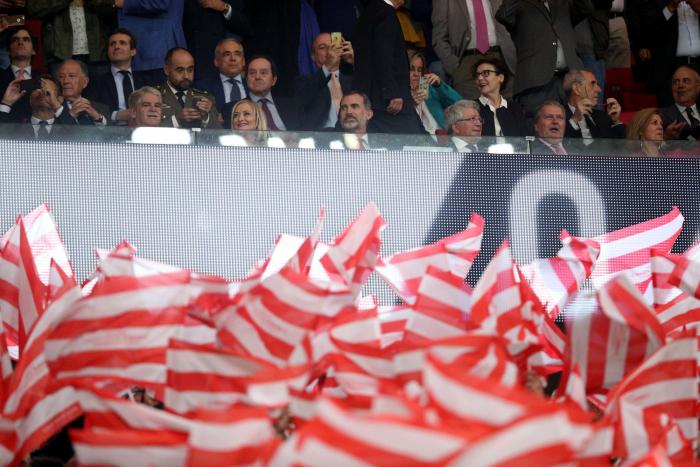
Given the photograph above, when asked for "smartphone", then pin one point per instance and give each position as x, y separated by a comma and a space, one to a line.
14, 20
336, 38
30, 84
423, 84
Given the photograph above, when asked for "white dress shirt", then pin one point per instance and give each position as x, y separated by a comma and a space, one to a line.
238, 79
332, 110
490, 26
496, 124
27, 72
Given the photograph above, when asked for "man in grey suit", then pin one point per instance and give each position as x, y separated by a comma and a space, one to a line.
459, 39
543, 33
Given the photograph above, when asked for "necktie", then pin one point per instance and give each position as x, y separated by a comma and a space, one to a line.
181, 98
20, 74
126, 84
235, 94
336, 90
266, 109
43, 133
559, 149
482, 33
694, 122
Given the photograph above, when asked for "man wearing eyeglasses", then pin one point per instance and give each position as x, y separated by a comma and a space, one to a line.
146, 107
464, 122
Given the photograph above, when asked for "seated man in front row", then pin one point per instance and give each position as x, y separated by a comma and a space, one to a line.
48, 113
583, 120
146, 107
463, 119
354, 115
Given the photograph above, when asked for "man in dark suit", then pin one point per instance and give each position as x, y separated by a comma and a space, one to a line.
668, 48
21, 47
583, 120
113, 88
550, 124
543, 34
229, 84
73, 77
321, 92
381, 68
206, 23
464, 32
48, 120
283, 113
681, 119
183, 105
464, 122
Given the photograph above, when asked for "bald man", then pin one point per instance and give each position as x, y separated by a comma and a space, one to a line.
681, 119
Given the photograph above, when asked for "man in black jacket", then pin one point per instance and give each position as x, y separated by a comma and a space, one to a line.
381, 68
21, 45
583, 120
320, 92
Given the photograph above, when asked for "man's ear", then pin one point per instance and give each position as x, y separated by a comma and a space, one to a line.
370, 114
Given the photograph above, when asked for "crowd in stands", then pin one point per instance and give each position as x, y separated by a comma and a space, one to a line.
298, 60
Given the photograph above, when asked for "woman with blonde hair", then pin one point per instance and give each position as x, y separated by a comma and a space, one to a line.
646, 126
249, 119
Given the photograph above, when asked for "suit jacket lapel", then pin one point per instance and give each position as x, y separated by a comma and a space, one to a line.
462, 5
539, 4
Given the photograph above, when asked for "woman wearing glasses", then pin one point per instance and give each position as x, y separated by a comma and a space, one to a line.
430, 94
501, 117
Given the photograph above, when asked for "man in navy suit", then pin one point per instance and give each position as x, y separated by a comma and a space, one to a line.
114, 87
157, 25
321, 92
21, 47
229, 84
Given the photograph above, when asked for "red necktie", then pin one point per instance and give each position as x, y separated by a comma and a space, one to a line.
482, 32
20, 74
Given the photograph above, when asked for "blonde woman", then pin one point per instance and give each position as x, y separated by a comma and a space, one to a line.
247, 118
646, 126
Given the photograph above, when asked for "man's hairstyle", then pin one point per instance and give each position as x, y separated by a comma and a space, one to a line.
454, 112
273, 66
574, 77
169, 54
498, 65
689, 68
365, 99
639, 122
82, 65
14, 30
126, 32
546, 104
224, 40
48, 77
136, 96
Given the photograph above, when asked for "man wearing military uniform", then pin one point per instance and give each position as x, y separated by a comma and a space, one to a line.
184, 106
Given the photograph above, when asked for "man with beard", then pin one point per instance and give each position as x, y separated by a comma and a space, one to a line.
184, 106
355, 112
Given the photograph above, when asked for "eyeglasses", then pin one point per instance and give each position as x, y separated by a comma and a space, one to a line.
471, 120
484, 73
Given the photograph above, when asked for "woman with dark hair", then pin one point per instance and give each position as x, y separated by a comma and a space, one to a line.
429, 93
501, 117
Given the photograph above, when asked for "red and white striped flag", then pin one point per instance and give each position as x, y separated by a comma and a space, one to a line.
405, 271
463, 396
121, 331
354, 253
666, 382
614, 339
129, 447
685, 275
628, 250
546, 437
675, 309
554, 280
341, 437
25, 262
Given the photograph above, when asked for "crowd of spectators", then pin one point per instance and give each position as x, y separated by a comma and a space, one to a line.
407, 61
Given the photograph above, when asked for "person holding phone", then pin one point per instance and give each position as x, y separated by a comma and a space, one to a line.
48, 120
583, 120
431, 96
